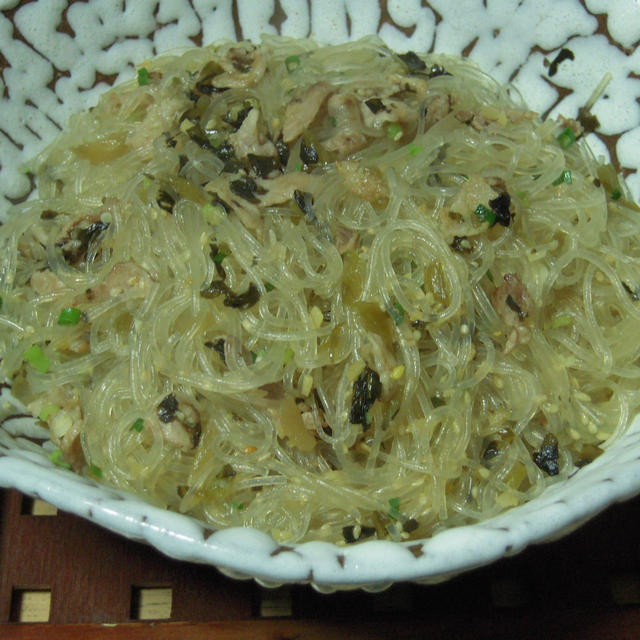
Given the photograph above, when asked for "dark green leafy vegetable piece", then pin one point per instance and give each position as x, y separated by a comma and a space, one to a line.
491, 451
413, 62
348, 533
366, 390
236, 300
375, 105
167, 408
245, 188
283, 152
500, 207
564, 54
547, 458
242, 300
616, 194
635, 294
224, 151
165, 201
137, 425
263, 165
461, 244
218, 347
514, 306
438, 70
410, 525
236, 118
308, 153
304, 200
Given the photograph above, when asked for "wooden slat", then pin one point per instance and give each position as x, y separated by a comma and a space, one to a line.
535, 624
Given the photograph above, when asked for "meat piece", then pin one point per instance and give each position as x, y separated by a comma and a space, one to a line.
179, 422
43, 282
345, 109
244, 67
438, 107
80, 238
513, 304
346, 239
364, 182
511, 300
125, 276
303, 108
391, 111
281, 188
249, 139
459, 218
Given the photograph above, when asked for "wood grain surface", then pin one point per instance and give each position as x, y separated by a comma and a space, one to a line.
89, 583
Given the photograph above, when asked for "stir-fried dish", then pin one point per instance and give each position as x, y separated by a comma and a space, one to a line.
334, 293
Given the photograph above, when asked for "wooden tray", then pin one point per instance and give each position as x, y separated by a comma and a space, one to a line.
63, 577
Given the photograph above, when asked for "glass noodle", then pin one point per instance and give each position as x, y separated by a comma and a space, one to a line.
330, 292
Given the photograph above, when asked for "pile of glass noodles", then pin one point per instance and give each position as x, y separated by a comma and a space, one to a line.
332, 293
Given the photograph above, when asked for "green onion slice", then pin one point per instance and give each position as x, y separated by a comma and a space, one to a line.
485, 214
565, 177
69, 316
137, 425
566, 138
143, 76
36, 358
395, 132
58, 459
292, 63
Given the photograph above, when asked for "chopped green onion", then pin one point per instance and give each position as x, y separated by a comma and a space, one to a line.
49, 410
238, 506
268, 286
561, 321
616, 194
36, 358
414, 149
565, 177
394, 510
254, 356
69, 316
292, 63
333, 121
490, 276
143, 76
137, 425
395, 132
95, 470
58, 459
485, 214
566, 138
288, 355
397, 313
219, 257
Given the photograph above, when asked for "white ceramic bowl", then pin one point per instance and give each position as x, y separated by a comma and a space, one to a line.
60, 55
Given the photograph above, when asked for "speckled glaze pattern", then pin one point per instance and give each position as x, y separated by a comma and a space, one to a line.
56, 57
